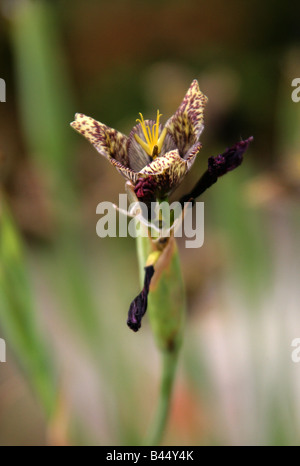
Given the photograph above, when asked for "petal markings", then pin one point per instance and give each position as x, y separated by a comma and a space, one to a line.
109, 142
125, 171
187, 124
167, 171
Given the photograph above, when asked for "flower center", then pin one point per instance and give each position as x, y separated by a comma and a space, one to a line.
153, 142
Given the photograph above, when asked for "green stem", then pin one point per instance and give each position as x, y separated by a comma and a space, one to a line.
169, 364
166, 313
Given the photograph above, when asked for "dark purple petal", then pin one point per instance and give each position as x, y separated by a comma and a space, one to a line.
218, 166
145, 189
138, 306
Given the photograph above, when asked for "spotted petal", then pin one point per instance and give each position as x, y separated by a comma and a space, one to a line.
125, 171
110, 143
186, 124
191, 154
168, 170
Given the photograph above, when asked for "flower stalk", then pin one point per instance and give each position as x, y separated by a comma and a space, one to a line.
157, 428
166, 312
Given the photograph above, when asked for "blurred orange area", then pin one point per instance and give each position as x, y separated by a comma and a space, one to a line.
188, 422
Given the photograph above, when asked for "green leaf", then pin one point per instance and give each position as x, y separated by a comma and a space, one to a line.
18, 317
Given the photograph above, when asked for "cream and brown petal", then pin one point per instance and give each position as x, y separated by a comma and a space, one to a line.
176, 149
187, 123
109, 142
168, 170
125, 171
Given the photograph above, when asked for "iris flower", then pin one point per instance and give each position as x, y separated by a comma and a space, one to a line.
155, 158
162, 155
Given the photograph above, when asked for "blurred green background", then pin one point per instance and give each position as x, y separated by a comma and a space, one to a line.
75, 373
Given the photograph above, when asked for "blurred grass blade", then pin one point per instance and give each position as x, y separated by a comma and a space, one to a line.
44, 91
18, 317
42, 71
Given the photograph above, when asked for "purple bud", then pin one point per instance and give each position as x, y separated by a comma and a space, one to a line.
218, 166
138, 306
229, 160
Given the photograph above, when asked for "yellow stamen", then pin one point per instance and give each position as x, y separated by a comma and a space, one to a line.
153, 142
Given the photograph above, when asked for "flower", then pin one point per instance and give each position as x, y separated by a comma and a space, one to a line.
153, 157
